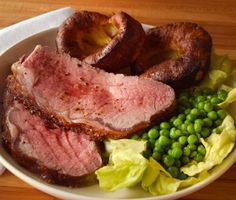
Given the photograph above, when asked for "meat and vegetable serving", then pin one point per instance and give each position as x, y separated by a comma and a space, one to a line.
73, 120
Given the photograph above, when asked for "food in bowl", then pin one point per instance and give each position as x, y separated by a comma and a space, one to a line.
127, 161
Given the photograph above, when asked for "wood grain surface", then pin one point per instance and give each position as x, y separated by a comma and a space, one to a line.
218, 17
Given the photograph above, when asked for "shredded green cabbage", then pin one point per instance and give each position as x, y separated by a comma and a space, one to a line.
126, 165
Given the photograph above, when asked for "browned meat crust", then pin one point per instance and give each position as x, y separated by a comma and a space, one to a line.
124, 38
177, 54
48, 175
15, 90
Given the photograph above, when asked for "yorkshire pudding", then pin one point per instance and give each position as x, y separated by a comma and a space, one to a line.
177, 54
107, 43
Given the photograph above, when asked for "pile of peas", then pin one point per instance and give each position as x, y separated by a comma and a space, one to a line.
176, 142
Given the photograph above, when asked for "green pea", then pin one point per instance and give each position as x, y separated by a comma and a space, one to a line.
181, 116
151, 143
174, 171
176, 145
178, 133
212, 115
187, 151
200, 105
207, 122
182, 100
222, 94
218, 122
157, 156
197, 127
177, 163
205, 132
158, 148
190, 128
191, 117
177, 152
165, 125
165, 132
216, 130
198, 136
185, 159
183, 127
198, 157
147, 153
145, 136
201, 149
182, 140
163, 140
199, 121
172, 118
195, 112
192, 139
200, 99
187, 121
214, 100
168, 160
172, 130
182, 176
192, 147
169, 152
177, 122
175, 134
221, 114
193, 154
208, 107
153, 133
187, 111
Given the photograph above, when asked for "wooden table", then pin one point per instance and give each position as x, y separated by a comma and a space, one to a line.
218, 17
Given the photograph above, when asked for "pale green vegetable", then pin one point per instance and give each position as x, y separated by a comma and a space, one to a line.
117, 145
126, 165
230, 103
220, 69
158, 181
230, 99
218, 146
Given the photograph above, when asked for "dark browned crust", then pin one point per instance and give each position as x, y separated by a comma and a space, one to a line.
120, 52
190, 40
49, 175
96, 134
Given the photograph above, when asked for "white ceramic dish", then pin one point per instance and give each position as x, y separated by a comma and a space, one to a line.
92, 192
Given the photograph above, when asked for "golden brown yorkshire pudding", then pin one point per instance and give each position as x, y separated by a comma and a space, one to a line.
177, 54
108, 43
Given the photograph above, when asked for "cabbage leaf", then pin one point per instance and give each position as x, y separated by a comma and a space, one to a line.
126, 165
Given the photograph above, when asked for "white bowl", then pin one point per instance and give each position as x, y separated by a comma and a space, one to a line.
91, 192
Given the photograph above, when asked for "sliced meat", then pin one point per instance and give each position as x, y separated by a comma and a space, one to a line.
99, 103
58, 156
